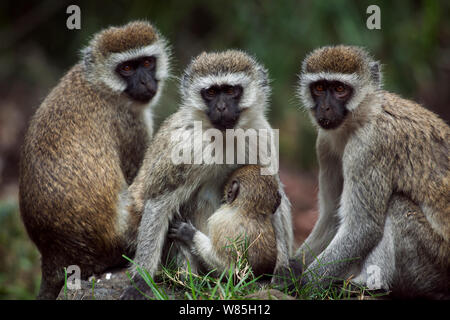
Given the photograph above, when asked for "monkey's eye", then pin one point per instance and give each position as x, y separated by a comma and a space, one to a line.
229, 90
211, 92
318, 89
127, 68
341, 91
149, 63
339, 88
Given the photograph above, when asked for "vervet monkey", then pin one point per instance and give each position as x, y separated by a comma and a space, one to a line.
242, 226
83, 148
220, 91
384, 193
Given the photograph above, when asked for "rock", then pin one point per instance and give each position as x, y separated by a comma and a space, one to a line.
107, 286
110, 286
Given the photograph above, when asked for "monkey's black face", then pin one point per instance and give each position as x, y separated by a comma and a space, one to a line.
140, 77
330, 98
223, 105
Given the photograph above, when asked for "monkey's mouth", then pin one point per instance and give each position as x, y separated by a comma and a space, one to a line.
143, 93
223, 121
224, 124
329, 124
142, 96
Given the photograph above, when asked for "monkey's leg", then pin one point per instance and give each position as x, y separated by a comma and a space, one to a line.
406, 260
422, 256
282, 223
378, 269
52, 280
365, 197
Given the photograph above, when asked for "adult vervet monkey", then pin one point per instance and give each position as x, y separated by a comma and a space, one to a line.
384, 193
221, 91
83, 148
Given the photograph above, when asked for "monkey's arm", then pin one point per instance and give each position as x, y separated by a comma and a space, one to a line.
364, 199
157, 214
330, 189
155, 195
282, 223
151, 235
198, 243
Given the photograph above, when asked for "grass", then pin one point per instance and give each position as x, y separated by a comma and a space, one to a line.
20, 273
237, 282
179, 283
231, 284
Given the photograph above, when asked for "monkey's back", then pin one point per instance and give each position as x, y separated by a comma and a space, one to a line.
416, 144
71, 173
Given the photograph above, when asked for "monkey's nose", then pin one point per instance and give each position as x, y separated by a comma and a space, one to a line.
221, 106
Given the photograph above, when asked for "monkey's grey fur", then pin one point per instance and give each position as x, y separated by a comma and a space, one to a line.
163, 189
384, 193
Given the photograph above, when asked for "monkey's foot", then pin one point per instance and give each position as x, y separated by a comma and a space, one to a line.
139, 291
288, 277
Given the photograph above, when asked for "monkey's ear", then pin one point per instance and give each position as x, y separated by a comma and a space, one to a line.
375, 73
264, 76
233, 191
277, 202
87, 56
185, 79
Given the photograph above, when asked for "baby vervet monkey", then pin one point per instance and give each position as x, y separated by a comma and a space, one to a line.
250, 200
83, 148
222, 93
384, 181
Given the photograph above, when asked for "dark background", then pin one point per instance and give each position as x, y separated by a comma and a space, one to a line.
36, 49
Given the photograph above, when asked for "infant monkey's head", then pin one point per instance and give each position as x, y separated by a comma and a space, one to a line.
254, 193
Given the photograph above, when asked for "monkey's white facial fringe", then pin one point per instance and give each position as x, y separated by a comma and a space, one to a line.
253, 93
360, 87
112, 80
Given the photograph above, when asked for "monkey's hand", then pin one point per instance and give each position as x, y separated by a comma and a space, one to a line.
182, 231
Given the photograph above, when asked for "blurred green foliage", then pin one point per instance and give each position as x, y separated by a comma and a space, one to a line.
19, 263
